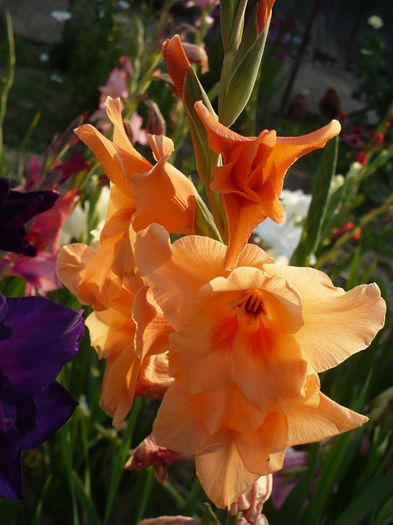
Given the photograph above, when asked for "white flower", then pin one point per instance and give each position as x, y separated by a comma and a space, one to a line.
61, 16
76, 225
101, 207
375, 22
282, 239
44, 57
123, 5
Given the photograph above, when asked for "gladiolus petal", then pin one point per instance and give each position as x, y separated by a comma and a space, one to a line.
176, 62
222, 473
356, 316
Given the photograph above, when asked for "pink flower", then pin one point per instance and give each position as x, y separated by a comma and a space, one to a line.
286, 479
202, 4
34, 174
40, 272
138, 133
117, 87
62, 171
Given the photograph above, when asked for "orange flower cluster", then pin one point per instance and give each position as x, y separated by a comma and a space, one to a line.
235, 341
127, 327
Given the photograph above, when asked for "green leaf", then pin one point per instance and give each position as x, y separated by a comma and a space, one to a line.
377, 163
120, 458
353, 277
290, 508
368, 500
334, 467
192, 92
6, 83
66, 450
90, 512
204, 157
209, 517
232, 21
203, 220
147, 488
311, 235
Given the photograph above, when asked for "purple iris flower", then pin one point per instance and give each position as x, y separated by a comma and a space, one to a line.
37, 338
16, 208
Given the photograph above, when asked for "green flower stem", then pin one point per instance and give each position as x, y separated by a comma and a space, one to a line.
149, 482
7, 82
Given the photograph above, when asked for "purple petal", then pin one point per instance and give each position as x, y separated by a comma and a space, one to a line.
10, 465
16, 208
7, 405
281, 489
5, 331
295, 458
44, 337
25, 412
54, 406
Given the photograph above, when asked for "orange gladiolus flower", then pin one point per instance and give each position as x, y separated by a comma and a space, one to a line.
250, 343
128, 372
127, 329
251, 177
159, 193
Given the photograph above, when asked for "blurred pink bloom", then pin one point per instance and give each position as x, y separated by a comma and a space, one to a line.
353, 140
251, 502
150, 452
46, 228
117, 87
40, 272
58, 173
138, 133
34, 175
202, 4
209, 21
62, 171
285, 480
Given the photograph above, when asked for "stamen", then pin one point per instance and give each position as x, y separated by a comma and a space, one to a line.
253, 302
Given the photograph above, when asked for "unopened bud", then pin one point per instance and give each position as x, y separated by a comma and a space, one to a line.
251, 502
264, 12
156, 123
